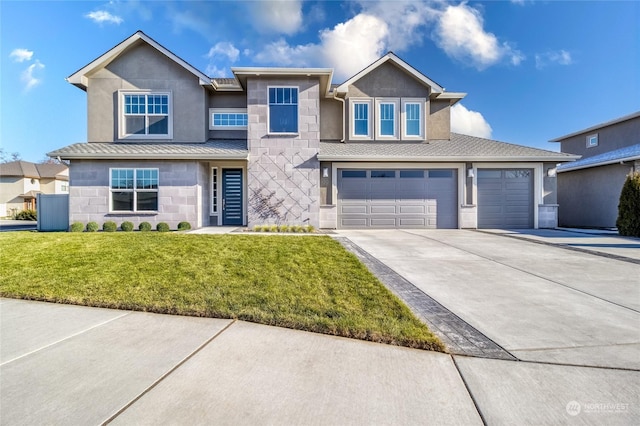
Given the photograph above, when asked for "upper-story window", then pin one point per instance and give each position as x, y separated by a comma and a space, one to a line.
362, 118
228, 118
592, 140
387, 125
413, 118
146, 115
283, 110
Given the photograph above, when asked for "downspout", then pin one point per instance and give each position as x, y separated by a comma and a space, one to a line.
344, 119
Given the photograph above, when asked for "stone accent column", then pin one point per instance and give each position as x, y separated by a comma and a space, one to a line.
283, 172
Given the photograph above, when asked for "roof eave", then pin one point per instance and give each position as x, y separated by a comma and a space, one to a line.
529, 159
146, 156
600, 163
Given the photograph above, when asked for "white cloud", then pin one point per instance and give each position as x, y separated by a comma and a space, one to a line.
102, 16
21, 55
348, 47
469, 122
560, 57
460, 33
30, 76
214, 71
224, 48
277, 16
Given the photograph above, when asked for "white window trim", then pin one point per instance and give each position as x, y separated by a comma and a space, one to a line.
121, 116
422, 103
226, 111
589, 138
134, 190
269, 132
215, 194
396, 118
352, 127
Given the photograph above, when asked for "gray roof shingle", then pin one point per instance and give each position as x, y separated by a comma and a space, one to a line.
623, 154
32, 170
459, 148
210, 150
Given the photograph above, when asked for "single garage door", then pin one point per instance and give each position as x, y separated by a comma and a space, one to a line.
381, 198
505, 198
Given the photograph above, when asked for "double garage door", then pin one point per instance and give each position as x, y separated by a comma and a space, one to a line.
406, 198
428, 198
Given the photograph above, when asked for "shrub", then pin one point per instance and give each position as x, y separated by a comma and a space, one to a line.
144, 226
310, 228
162, 227
27, 215
294, 228
92, 227
127, 226
184, 226
257, 228
273, 228
109, 226
265, 228
77, 227
628, 221
283, 228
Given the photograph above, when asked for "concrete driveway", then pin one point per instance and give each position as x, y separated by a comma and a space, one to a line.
539, 302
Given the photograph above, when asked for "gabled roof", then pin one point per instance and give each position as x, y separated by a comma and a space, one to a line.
210, 150
437, 91
597, 126
79, 78
324, 74
459, 148
628, 153
31, 170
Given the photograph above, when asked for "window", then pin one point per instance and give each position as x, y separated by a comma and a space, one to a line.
361, 118
413, 118
146, 115
434, 174
517, 174
387, 118
228, 119
592, 140
383, 173
354, 174
283, 110
134, 190
214, 190
412, 174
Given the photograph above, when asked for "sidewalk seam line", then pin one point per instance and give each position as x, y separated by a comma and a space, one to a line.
165, 375
466, 385
66, 338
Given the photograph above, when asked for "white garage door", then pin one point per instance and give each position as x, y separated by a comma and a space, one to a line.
505, 198
382, 198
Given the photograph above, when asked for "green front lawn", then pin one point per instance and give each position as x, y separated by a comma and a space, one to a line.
307, 283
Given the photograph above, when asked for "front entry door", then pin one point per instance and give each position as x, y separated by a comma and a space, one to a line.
232, 196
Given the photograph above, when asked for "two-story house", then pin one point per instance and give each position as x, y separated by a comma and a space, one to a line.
22, 181
286, 145
589, 189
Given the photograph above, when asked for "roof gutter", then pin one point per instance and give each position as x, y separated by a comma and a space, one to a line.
93, 156
414, 159
621, 161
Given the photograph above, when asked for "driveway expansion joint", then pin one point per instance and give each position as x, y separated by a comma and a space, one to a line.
459, 337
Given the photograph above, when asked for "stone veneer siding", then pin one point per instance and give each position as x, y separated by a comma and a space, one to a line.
181, 193
283, 170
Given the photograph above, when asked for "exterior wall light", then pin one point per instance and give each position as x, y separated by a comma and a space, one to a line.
551, 172
470, 173
325, 172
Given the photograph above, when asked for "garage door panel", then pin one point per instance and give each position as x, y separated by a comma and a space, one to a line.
505, 200
383, 209
400, 199
417, 209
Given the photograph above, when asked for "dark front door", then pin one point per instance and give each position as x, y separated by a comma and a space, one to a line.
232, 196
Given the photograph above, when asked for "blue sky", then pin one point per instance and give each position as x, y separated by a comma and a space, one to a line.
533, 70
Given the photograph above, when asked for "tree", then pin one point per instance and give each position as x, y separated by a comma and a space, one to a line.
6, 157
628, 222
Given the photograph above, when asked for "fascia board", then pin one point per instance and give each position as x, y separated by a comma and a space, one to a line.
89, 156
601, 163
415, 159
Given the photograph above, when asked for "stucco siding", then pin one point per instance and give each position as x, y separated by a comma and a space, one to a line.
283, 170
144, 68
330, 119
610, 138
388, 80
439, 120
180, 193
589, 197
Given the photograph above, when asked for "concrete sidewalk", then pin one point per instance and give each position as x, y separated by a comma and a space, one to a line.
62, 364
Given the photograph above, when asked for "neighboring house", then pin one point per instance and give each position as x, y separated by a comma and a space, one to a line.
22, 181
589, 189
285, 145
